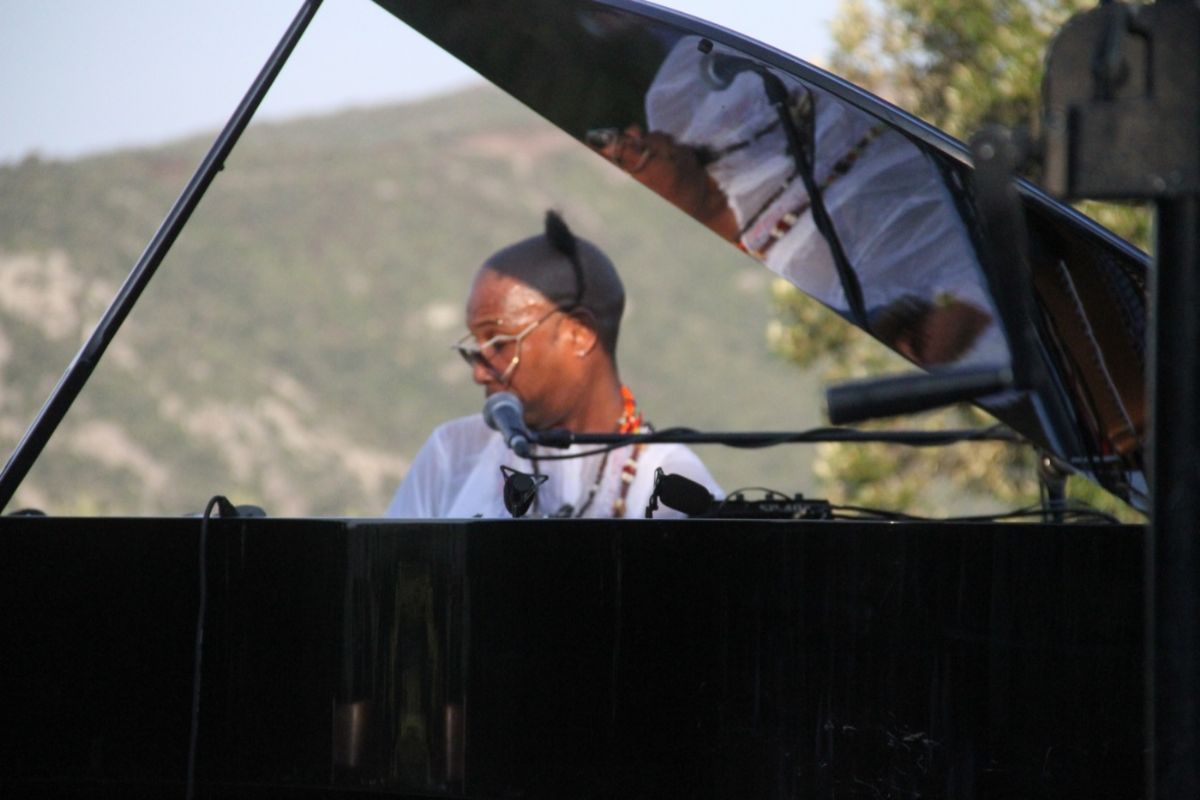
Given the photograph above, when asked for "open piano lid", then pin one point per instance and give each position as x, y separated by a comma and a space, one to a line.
704, 117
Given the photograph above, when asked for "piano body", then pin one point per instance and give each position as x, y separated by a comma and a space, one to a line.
773, 658
700, 658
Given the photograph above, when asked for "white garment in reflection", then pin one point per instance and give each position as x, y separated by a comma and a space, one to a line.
894, 216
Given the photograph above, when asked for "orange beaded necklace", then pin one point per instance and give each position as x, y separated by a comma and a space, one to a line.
631, 421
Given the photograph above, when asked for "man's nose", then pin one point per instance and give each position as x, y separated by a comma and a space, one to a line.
481, 373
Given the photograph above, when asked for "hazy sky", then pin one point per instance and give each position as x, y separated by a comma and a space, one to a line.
80, 76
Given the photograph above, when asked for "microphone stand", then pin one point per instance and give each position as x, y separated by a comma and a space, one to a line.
562, 439
1121, 94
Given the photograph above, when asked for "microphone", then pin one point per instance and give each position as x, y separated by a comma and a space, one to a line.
680, 493
503, 412
520, 489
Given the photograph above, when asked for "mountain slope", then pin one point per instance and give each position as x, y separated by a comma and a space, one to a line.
293, 349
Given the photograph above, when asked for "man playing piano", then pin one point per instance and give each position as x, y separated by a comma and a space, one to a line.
543, 317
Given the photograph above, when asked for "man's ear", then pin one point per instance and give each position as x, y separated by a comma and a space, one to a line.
582, 331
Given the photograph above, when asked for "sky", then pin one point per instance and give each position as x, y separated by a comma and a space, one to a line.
80, 76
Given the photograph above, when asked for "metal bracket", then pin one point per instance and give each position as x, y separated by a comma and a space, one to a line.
1131, 131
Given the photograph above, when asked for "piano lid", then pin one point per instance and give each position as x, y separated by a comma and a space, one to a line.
858, 204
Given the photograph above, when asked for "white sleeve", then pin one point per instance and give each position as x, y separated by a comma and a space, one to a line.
682, 461
422, 488
675, 459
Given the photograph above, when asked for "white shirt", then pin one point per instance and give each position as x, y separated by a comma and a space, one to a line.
895, 218
456, 474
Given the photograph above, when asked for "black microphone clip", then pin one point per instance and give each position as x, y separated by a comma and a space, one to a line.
520, 489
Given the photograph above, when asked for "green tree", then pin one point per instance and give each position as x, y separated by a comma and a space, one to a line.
962, 63
957, 64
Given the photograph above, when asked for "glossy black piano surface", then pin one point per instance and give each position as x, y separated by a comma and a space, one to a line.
585, 659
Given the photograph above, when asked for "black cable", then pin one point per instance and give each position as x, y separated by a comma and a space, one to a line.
766, 490
1076, 510
864, 512
1076, 513
771, 439
834, 434
739, 496
227, 509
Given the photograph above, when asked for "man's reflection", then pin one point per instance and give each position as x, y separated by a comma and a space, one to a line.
676, 172
722, 149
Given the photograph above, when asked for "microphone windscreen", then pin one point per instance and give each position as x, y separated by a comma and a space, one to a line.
498, 401
684, 494
519, 492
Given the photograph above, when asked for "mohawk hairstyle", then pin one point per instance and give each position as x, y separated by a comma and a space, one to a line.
562, 240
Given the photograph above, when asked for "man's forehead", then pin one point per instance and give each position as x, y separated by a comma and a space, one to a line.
498, 297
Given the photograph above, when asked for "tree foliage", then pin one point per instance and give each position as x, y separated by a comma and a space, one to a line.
957, 64
962, 63
925, 481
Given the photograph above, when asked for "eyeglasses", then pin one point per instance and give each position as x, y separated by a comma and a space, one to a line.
613, 144
484, 353
561, 239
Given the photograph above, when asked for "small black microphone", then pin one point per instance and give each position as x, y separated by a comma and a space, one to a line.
503, 412
520, 489
682, 494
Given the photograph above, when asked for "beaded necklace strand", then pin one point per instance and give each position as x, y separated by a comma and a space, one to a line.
631, 421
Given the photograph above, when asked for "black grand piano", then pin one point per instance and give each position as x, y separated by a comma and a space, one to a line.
224, 656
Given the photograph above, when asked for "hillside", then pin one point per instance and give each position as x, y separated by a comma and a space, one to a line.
293, 349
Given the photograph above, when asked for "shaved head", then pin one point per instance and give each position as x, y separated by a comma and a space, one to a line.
554, 262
